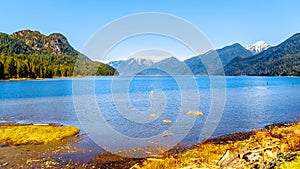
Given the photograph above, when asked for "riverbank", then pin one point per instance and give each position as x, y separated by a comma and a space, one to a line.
276, 146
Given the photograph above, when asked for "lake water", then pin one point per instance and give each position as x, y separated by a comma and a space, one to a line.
250, 102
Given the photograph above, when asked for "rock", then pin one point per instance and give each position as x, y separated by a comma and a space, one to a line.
166, 133
252, 156
3, 145
282, 157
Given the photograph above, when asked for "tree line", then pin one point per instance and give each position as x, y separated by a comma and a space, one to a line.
49, 66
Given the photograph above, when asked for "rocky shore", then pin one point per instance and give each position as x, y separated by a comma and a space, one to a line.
275, 146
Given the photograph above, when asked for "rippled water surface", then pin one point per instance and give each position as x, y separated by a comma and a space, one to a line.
251, 102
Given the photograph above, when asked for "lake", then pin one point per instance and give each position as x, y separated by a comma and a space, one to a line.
135, 107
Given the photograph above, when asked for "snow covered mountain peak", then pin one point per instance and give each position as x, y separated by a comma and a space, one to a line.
257, 47
150, 59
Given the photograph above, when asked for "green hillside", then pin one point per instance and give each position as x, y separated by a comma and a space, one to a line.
225, 54
281, 60
30, 54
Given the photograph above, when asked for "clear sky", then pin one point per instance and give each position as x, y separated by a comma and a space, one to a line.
222, 21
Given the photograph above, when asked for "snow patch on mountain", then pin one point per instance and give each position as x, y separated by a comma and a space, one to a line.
150, 59
139, 60
257, 47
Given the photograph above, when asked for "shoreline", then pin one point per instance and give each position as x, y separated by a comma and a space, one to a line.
71, 77
30, 79
274, 145
109, 160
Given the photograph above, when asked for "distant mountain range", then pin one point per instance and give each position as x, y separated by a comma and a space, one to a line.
148, 66
30, 54
257, 59
194, 64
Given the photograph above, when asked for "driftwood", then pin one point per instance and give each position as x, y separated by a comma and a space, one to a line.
82, 134
250, 156
134, 166
254, 154
40, 124
233, 158
224, 157
229, 161
154, 159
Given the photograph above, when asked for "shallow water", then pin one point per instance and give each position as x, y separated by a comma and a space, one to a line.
125, 104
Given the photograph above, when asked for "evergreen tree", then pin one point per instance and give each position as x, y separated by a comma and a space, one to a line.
2, 75
12, 69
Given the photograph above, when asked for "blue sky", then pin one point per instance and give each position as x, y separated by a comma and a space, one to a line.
222, 21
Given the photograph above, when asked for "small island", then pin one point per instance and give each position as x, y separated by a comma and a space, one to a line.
34, 133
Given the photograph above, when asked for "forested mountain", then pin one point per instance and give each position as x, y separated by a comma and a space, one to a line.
281, 60
225, 54
30, 54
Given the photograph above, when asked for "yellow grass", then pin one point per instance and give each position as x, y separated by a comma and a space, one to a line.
153, 115
167, 121
197, 113
34, 134
265, 146
291, 164
190, 113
